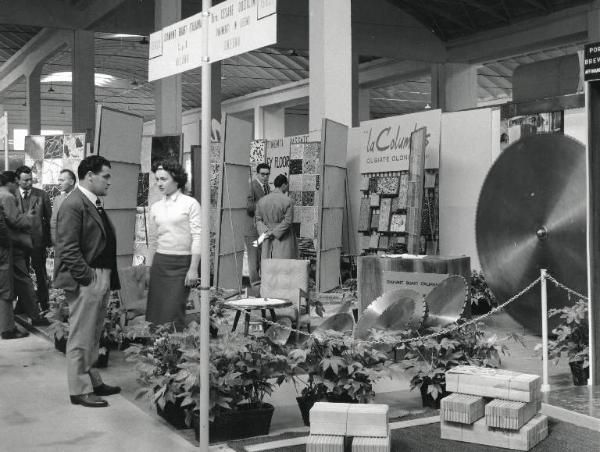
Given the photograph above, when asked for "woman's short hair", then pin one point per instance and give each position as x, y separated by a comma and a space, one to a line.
174, 168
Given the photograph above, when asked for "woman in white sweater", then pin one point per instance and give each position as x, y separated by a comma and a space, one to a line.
174, 246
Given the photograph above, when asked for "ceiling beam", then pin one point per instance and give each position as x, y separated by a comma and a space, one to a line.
55, 14
32, 54
569, 26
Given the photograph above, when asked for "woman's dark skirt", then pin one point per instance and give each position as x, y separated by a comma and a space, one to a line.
167, 294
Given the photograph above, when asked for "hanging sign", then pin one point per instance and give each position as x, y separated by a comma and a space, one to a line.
385, 143
235, 27
239, 26
591, 62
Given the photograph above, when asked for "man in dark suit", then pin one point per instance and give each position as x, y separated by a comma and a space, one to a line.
33, 198
86, 268
8, 329
259, 187
19, 226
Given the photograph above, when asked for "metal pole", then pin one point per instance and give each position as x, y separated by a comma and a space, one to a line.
205, 262
545, 384
5, 153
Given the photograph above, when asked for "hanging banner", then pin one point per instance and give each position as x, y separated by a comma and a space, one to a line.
235, 27
385, 143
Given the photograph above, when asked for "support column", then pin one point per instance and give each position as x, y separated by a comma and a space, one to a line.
593, 214
83, 93
364, 104
167, 91
330, 47
33, 99
215, 98
454, 86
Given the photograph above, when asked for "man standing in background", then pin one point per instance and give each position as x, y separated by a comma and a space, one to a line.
8, 329
259, 187
37, 200
19, 225
67, 181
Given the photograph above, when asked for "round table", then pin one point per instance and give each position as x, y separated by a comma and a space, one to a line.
249, 304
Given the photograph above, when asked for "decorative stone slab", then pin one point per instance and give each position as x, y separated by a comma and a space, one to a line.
368, 420
478, 433
462, 408
325, 443
329, 418
508, 414
493, 383
366, 444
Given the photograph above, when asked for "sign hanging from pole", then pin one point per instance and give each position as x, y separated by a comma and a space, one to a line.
235, 27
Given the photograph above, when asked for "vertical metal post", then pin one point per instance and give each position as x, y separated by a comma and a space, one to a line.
6, 153
205, 262
545, 384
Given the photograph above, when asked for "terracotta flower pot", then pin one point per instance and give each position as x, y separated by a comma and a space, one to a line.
580, 374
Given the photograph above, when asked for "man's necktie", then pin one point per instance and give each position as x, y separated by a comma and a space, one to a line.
266, 188
99, 207
25, 201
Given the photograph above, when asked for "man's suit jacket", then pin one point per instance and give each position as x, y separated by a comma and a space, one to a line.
256, 192
40, 228
80, 239
57, 202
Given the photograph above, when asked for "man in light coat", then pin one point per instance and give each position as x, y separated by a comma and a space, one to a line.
67, 181
274, 218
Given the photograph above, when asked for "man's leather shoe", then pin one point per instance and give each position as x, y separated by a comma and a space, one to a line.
90, 400
40, 321
14, 334
106, 390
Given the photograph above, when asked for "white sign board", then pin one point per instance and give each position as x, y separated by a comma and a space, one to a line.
176, 48
385, 143
238, 26
235, 27
422, 283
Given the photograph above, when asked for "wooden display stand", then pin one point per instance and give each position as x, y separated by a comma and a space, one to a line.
371, 268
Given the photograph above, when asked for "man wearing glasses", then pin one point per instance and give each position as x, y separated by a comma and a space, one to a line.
259, 187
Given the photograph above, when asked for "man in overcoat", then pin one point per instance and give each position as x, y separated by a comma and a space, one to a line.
274, 217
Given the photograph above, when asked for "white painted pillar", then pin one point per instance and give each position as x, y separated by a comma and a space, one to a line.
273, 121
33, 100
167, 91
364, 104
454, 86
83, 92
330, 48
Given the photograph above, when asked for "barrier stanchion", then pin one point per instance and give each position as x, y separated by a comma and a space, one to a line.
544, 291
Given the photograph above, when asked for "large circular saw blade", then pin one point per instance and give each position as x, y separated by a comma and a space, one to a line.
447, 302
532, 215
396, 310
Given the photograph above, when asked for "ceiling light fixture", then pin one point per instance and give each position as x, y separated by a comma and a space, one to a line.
62, 111
50, 90
67, 77
293, 53
427, 106
134, 82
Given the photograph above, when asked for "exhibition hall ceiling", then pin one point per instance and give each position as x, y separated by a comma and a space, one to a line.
121, 63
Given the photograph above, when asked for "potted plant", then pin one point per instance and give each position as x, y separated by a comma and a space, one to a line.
430, 358
572, 338
58, 315
482, 298
157, 363
337, 368
112, 331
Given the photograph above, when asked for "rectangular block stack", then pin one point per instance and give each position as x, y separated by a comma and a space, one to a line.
510, 420
332, 423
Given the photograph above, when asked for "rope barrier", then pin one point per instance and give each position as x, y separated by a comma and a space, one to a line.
449, 329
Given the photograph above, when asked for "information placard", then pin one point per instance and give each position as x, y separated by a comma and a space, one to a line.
422, 283
235, 27
591, 62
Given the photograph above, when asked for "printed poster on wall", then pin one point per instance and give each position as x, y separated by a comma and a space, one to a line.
385, 143
278, 155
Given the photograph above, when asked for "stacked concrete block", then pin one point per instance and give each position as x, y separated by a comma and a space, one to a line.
493, 407
462, 408
334, 424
